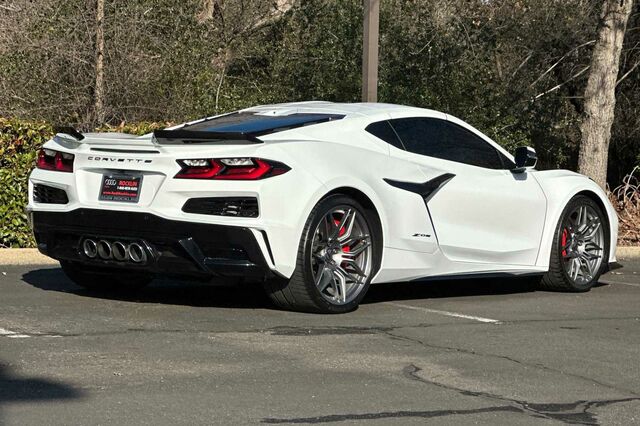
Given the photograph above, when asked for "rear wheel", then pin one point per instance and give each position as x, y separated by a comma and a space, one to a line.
338, 255
580, 247
101, 279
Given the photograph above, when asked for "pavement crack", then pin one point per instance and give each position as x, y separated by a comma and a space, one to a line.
513, 360
323, 331
577, 412
387, 415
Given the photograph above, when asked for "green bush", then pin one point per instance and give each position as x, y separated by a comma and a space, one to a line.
19, 144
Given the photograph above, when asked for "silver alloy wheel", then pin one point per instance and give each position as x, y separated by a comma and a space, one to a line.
581, 244
341, 255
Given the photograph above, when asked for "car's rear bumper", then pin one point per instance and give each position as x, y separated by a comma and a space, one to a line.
176, 248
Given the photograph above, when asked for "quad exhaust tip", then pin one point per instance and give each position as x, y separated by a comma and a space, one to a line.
104, 249
90, 248
117, 250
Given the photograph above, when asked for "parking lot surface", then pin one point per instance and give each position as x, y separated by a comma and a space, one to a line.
451, 352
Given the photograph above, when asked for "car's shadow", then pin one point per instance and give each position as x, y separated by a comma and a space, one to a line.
251, 295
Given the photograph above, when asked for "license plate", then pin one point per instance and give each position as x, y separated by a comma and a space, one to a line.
120, 188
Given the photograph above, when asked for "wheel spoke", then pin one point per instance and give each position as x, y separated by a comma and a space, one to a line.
344, 273
582, 213
340, 286
575, 267
330, 226
354, 265
348, 219
357, 250
591, 256
586, 268
321, 281
591, 228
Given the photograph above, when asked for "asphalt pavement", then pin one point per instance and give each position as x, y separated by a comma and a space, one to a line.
454, 352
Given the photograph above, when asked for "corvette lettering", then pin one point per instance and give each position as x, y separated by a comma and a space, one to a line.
120, 160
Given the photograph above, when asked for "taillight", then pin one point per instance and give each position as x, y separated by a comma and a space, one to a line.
49, 159
230, 168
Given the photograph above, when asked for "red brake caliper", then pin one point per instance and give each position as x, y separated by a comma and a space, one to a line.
563, 241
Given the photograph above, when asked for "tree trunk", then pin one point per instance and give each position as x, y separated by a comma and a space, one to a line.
99, 87
599, 96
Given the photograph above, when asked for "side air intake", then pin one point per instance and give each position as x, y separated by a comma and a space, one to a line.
223, 206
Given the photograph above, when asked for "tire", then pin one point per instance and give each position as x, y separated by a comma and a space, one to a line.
560, 276
101, 279
300, 292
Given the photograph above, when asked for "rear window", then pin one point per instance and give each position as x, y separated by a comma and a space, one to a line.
258, 124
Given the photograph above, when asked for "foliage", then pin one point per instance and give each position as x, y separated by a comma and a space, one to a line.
19, 142
139, 129
626, 200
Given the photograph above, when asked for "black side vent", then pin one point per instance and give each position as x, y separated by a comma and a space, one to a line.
49, 195
223, 206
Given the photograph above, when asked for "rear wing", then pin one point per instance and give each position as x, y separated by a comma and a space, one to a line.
159, 137
70, 131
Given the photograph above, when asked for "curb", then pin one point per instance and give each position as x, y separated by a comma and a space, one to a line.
628, 253
31, 256
24, 256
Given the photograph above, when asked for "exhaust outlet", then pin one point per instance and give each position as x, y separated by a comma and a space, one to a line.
120, 251
137, 254
104, 250
90, 248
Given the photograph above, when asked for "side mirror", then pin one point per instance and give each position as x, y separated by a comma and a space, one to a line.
525, 158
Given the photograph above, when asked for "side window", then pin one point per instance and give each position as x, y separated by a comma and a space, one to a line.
441, 139
471, 149
383, 130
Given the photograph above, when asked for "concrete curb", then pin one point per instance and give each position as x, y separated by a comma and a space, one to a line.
26, 256
628, 252
32, 256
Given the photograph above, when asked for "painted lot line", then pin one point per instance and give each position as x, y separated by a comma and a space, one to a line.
446, 313
12, 334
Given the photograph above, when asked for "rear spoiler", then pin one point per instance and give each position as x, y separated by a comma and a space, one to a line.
68, 130
180, 136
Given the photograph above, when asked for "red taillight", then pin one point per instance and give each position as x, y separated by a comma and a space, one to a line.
49, 159
230, 169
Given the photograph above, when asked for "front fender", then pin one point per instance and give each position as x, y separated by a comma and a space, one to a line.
560, 186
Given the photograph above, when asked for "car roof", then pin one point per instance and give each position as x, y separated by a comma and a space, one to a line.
349, 110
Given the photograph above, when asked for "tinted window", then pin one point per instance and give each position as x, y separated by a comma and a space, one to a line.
259, 124
384, 131
442, 139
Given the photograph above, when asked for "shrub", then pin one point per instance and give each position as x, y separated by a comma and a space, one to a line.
626, 200
19, 143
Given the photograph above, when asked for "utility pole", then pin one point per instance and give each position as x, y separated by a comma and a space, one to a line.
99, 114
370, 38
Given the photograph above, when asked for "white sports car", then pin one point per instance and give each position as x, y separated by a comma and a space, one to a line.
317, 199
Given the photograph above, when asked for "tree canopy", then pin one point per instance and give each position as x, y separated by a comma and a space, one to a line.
515, 69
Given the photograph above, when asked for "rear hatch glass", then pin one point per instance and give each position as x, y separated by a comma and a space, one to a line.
258, 124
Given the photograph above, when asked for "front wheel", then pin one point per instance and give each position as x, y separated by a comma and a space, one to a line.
338, 255
580, 247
